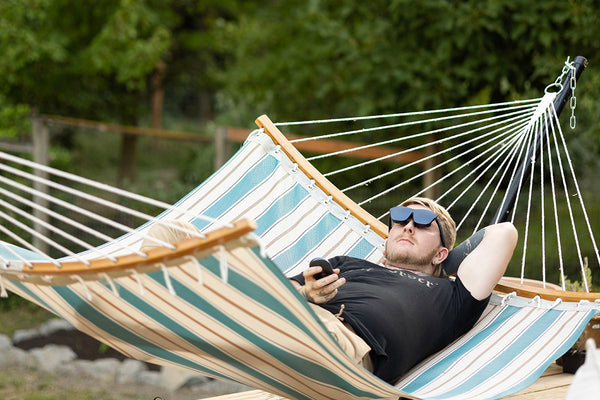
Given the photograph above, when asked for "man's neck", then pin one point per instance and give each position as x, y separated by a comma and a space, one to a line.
416, 269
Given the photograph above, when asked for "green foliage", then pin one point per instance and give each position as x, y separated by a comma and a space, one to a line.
361, 58
294, 60
130, 44
13, 120
579, 285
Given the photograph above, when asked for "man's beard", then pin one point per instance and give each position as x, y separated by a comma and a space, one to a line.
401, 258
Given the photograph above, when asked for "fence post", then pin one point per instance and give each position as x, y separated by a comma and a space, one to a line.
221, 147
41, 138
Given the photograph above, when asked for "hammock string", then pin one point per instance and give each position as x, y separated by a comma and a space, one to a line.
521, 116
437, 166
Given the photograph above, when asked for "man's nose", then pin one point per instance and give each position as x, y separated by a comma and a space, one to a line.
410, 225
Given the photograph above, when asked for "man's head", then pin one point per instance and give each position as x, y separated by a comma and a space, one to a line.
447, 223
421, 234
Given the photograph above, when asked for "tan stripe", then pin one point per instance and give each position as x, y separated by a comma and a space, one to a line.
290, 300
285, 232
223, 178
276, 329
522, 367
260, 202
468, 360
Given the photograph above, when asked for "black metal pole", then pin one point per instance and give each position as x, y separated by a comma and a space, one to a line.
561, 99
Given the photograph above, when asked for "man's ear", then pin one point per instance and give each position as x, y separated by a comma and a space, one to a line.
440, 256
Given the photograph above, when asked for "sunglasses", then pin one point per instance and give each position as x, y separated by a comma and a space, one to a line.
422, 218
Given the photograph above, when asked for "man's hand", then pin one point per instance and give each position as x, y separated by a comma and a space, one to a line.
322, 290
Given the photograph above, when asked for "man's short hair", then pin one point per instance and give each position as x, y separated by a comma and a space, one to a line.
447, 223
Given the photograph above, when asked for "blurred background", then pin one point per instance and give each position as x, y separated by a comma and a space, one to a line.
133, 93
136, 93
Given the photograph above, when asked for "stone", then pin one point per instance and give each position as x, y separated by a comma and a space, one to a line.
129, 371
105, 369
55, 325
149, 378
21, 335
5, 342
51, 356
77, 367
175, 378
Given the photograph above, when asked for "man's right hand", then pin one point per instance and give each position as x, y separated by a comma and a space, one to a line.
322, 290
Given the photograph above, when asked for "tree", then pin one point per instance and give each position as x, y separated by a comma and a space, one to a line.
305, 60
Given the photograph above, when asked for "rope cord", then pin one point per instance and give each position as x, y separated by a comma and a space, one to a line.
522, 114
514, 159
578, 192
425, 112
555, 208
455, 147
92, 250
505, 147
439, 165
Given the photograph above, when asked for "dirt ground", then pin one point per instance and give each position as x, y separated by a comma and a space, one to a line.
25, 384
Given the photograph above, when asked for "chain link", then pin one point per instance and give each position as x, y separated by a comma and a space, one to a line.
573, 100
558, 85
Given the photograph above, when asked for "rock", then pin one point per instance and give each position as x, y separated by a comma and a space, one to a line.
219, 386
105, 369
129, 370
22, 358
78, 367
46, 329
51, 357
149, 378
5, 342
195, 380
20, 335
175, 378
55, 325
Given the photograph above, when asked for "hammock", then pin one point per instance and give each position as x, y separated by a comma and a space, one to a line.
219, 302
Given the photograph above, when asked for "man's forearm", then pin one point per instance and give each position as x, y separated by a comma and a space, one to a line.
483, 267
460, 252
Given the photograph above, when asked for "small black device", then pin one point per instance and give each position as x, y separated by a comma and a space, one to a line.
323, 263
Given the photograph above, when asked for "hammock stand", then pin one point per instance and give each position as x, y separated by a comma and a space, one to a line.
220, 305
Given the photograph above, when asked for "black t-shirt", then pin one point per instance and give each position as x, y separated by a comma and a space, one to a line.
402, 316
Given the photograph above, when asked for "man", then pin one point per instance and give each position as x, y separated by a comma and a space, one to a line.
392, 315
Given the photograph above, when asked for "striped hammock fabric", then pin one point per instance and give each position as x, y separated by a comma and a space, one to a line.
230, 313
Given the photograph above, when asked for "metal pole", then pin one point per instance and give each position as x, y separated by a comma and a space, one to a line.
504, 211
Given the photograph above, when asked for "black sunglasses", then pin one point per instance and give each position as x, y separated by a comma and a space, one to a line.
421, 218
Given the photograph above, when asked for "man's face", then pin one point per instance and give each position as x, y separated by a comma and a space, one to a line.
412, 245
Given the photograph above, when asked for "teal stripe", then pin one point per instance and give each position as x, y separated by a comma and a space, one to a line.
536, 330
248, 183
436, 370
280, 208
263, 297
308, 240
362, 249
535, 375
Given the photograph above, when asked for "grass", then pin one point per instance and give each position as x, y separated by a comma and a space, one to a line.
21, 384
17, 313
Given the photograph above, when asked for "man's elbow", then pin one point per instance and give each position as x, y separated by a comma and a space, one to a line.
508, 234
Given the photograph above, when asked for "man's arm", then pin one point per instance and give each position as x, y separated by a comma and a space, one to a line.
319, 291
483, 267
